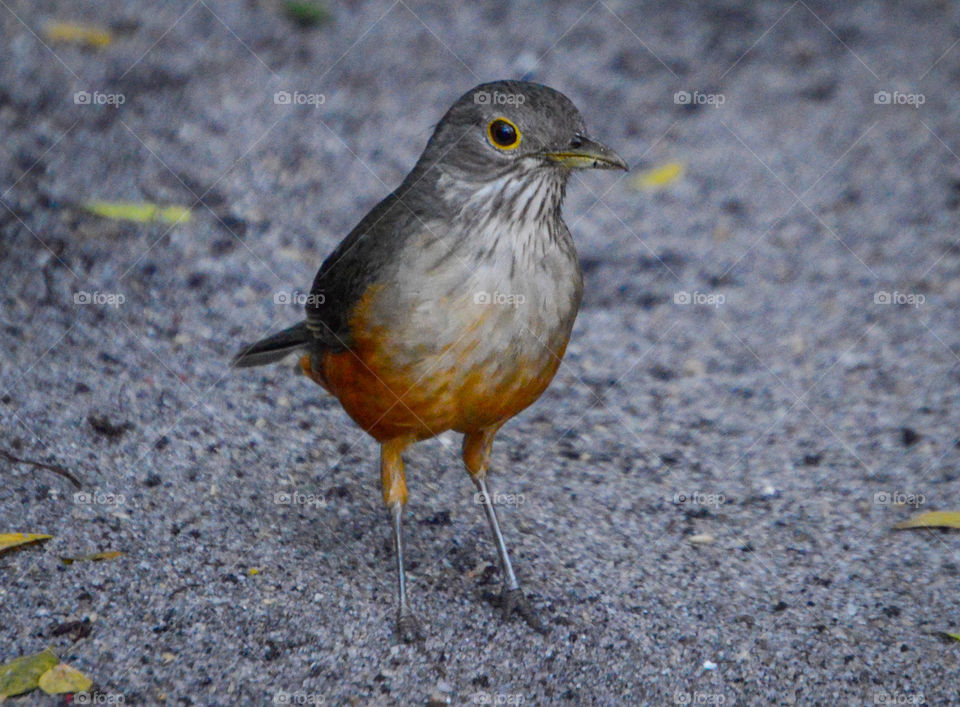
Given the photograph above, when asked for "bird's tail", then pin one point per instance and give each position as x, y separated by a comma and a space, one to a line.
273, 348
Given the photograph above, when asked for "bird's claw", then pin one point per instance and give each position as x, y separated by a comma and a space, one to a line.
513, 600
408, 628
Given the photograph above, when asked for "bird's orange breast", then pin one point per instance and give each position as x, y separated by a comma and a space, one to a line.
454, 386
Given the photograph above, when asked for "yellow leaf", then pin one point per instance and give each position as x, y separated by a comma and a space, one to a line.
932, 519
78, 34
659, 177
95, 557
23, 674
8, 540
140, 211
253, 570
954, 636
62, 678
174, 214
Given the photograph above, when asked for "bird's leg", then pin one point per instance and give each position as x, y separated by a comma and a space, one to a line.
476, 457
395, 496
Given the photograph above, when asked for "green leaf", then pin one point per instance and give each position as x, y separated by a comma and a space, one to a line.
140, 211
307, 14
23, 674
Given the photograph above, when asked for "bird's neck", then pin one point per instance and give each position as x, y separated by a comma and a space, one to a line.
515, 214
530, 199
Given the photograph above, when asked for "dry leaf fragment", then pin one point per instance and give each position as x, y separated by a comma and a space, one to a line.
78, 34
659, 177
95, 557
932, 519
63, 678
9, 540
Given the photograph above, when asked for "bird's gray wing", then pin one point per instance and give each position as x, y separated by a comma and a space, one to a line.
364, 258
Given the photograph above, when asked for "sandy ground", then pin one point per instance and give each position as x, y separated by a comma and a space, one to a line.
769, 355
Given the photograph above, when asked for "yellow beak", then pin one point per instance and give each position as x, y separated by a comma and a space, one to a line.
589, 154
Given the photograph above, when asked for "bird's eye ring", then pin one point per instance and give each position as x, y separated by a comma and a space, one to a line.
503, 133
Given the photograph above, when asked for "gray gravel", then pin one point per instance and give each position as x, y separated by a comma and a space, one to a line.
780, 412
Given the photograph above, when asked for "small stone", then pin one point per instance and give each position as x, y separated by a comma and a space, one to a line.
693, 368
909, 436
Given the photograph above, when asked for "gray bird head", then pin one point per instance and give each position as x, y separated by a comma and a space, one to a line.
513, 127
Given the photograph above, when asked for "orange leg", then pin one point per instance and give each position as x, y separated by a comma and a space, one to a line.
395, 496
476, 457
392, 478
476, 450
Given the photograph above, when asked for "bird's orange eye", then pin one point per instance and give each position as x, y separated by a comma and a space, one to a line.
503, 133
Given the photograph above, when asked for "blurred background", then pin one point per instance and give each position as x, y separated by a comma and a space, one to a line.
762, 383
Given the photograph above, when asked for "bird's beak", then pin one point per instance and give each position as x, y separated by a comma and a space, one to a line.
589, 154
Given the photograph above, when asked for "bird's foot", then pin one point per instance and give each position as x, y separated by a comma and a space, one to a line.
408, 627
513, 600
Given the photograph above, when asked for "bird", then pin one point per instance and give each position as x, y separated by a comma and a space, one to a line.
450, 304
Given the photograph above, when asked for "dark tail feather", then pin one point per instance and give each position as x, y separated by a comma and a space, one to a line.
273, 348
